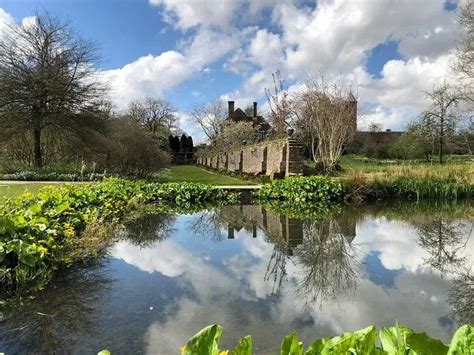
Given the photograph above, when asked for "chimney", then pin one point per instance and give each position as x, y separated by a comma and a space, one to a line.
231, 107
254, 110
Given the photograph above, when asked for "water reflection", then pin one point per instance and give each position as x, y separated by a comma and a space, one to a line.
260, 273
48, 323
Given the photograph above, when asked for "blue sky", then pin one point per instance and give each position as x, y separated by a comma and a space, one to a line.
192, 51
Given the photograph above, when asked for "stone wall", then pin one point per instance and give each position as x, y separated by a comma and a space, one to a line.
274, 158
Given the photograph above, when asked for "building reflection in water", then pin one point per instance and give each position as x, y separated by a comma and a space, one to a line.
322, 247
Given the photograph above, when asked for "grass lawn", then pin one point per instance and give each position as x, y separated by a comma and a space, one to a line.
8, 189
460, 168
192, 173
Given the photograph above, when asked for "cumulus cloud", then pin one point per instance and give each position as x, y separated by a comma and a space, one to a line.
153, 75
187, 14
336, 37
5, 19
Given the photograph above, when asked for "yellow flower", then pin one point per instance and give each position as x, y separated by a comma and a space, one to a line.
183, 349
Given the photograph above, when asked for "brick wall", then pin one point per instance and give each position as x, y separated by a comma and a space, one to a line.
275, 158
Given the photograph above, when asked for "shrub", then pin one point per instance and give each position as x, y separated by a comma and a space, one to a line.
302, 189
393, 340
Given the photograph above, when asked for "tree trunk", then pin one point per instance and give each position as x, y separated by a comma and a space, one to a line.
441, 139
37, 148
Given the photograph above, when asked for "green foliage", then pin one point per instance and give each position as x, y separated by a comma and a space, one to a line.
244, 347
291, 345
408, 187
41, 232
463, 341
205, 341
51, 176
303, 210
398, 340
302, 189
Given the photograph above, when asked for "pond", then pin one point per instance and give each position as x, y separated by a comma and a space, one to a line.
260, 273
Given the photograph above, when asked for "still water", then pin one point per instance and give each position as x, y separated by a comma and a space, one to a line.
256, 272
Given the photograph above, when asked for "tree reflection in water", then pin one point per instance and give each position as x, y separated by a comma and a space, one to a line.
444, 239
147, 229
69, 308
320, 248
328, 262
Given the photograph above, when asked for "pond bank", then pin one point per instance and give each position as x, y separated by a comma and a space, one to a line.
39, 233
255, 271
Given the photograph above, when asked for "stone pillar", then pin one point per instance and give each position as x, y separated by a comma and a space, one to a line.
294, 158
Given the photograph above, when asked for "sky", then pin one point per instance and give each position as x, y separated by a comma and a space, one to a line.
194, 51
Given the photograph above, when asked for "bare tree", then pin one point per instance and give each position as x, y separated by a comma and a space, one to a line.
461, 296
279, 103
328, 261
235, 134
210, 117
46, 77
153, 114
326, 111
465, 55
444, 242
443, 115
375, 127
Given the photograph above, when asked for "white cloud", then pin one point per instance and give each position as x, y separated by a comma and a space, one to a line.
187, 14
336, 38
5, 20
153, 75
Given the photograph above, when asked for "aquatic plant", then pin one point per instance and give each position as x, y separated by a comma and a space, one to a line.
60, 225
302, 189
394, 340
408, 187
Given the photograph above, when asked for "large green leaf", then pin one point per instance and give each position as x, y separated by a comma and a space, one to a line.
393, 339
463, 341
360, 342
205, 342
317, 347
291, 345
421, 343
244, 347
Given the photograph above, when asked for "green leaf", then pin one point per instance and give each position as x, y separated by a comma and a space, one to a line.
291, 345
393, 339
360, 342
421, 343
205, 342
463, 341
104, 352
244, 347
317, 347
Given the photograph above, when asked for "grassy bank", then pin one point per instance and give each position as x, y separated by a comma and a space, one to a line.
59, 226
457, 167
192, 173
9, 189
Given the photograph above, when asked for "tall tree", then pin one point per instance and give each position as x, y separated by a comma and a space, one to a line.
279, 103
442, 116
47, 76
210, 117
153, 114
465, 55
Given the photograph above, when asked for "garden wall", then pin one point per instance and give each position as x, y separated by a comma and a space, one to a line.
280, 158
